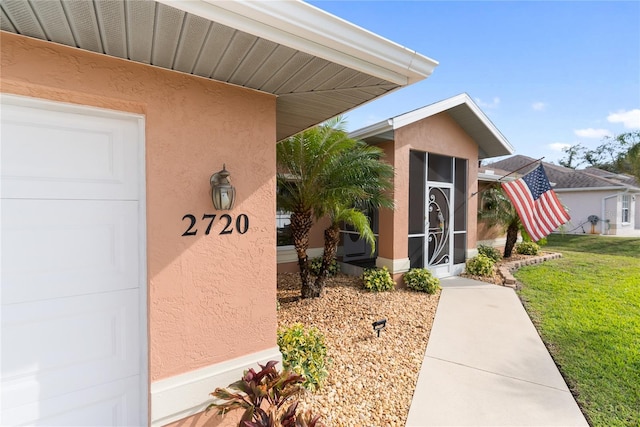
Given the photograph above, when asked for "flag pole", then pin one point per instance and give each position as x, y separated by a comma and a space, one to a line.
520, 168
511, 173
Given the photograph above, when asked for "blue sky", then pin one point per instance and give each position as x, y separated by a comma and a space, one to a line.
547, 73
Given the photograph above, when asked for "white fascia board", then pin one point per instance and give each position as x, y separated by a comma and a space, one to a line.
582, 189
306, 28
489, 124
489, 177
372, 130
447, 104
429, 110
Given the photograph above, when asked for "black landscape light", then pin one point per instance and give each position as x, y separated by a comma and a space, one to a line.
379, 325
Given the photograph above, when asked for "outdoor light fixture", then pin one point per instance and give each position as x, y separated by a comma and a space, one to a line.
379, 325
223, 194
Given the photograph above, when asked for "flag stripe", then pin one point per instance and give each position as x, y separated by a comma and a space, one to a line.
537, 206
547, 215
520, 195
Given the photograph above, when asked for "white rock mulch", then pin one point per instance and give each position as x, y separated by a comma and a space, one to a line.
371, 380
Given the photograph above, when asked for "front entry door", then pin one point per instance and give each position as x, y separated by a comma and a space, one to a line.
439, 231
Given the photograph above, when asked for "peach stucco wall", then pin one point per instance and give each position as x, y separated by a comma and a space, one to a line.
386, 230
484, 231
210, 298
438, 134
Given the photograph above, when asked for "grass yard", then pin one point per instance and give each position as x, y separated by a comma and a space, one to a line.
586, 306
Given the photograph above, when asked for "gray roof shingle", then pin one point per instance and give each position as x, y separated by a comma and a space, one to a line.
565, 178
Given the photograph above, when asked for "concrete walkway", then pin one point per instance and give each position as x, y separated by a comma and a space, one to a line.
485, 365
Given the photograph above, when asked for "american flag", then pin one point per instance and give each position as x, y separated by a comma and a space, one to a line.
536, 203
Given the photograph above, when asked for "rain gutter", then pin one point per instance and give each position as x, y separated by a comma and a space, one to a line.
309, 29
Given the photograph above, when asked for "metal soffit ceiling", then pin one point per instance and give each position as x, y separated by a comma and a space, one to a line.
309, 89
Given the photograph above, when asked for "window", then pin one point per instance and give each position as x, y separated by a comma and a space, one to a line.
283, 228
626, 201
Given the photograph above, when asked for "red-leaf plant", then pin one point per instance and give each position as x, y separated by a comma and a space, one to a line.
264, 395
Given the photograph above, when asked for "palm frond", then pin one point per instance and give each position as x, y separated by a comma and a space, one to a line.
358, 220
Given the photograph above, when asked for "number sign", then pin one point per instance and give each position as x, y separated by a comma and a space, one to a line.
241, 225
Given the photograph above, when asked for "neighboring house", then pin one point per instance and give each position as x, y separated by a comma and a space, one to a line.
126, 297
598, 201
434, 151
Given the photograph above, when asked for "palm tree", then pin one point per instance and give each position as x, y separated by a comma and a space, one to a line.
356, 181
322, 172
498, 210
304, 161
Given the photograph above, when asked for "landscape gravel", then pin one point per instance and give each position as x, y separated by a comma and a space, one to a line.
371, 379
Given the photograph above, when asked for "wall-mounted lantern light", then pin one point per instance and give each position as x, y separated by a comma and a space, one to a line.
223, 194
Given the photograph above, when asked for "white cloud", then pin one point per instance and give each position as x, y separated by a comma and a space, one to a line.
558, 146
592, 133
539, 106
493, 104
630, 119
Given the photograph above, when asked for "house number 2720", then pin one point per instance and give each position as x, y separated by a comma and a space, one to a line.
241, 224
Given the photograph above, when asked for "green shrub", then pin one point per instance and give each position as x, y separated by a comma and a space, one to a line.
527, 248
490, 252
316, 263
421, 279
527, 238
304, 352
480, 265
378, 279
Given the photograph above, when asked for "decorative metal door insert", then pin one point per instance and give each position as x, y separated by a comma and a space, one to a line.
439, 226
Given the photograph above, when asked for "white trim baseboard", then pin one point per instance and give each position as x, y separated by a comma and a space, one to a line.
395, 266
499, 241
187, 394
288, 254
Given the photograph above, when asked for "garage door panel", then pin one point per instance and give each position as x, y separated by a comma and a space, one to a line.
112, 404
68, 344
62, 248
51, 154
73, 332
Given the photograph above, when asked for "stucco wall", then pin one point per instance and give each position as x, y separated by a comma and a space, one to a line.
438, 134
495, 235
386, 231
210, 298
582, 204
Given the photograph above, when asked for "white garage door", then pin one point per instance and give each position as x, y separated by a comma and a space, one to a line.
73, 289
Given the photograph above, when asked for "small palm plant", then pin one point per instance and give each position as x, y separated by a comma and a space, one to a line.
323, 172
303, 161
357, 181
498, 210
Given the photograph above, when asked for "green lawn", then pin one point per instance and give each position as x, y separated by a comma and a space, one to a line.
586, 306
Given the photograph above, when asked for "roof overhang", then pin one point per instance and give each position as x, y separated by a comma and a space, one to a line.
583, 189
492, 177
491, 142
317, 64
